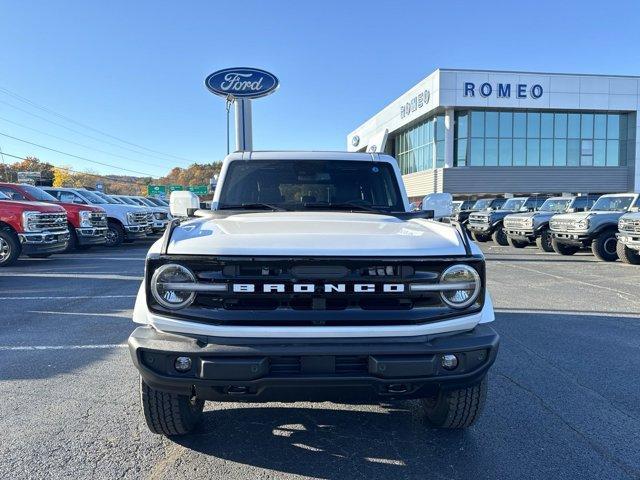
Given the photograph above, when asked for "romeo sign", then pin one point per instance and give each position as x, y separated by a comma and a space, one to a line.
242, 82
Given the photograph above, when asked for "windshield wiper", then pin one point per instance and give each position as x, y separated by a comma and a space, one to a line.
253, 206
345, 205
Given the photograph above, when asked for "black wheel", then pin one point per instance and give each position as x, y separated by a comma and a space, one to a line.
115, 234
9, 248
500, 237
517, 243
562, 248
39, 255
604, 246
627, 255
72, 244
479, 237
456, 408
169, 413
543, 241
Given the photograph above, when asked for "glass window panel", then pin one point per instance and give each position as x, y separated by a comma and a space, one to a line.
505, 152
519, 125
519, 151
461, 152
546, 125
440, 127
586, 130
440, 154
586, 160
491, 151
573, 125
546, 152
506, 124
491, 124
477, 151
600, 126
463, 122
573, 152
560, 152
533, 125
477, 124
560, 128
599, 152
613, 127
533, 152
613, 152
586, 147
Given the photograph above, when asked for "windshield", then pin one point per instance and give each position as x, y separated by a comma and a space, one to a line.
513, 204
482, 204
92, 197
159, 202
457, 206
38, 194
106, 198
555, 205
308, 184
128, 201
146, 202
613, 204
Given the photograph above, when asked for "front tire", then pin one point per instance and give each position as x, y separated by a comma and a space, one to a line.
516, 243
604, 246
628, 255
545, 241
168, 413
115, 234
479, 237
457, 408
563, 249
9, 248
500, 237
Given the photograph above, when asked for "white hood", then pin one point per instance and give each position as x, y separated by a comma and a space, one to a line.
315, 234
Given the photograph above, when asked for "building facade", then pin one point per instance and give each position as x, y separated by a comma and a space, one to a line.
488, 132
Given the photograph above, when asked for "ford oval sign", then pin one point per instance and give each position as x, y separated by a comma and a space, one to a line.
242, 82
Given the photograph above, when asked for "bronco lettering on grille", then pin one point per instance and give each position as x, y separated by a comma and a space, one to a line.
313, 288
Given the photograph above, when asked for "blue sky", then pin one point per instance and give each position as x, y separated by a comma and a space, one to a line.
135, 70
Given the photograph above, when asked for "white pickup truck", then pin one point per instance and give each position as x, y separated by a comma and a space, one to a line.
311, 279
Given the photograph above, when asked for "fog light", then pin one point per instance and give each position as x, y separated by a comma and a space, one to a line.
183, 364
449, 361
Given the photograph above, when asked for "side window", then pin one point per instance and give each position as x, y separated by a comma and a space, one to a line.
69, 197
12, 194
581, 203
530, 203
540, 201
498, 203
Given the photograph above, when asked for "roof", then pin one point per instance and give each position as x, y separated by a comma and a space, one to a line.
306, 155
525, 72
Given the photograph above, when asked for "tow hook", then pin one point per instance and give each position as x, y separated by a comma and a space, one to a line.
397, 388
237, 390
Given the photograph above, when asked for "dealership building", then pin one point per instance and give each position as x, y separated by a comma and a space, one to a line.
483, 132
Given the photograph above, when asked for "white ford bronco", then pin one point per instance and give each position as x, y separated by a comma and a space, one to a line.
310, 279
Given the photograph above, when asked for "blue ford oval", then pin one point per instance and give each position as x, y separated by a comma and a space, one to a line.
242, 82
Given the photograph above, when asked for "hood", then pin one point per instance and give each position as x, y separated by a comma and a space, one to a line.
76, 207
632, 216
314, 234
573, 216
34, 206
527, 214
112, 207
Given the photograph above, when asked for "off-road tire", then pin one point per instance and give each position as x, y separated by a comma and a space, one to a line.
604, 246
628, 255
115, 234
516, 243
500, 237
9, 247
545, 241
563, 249
168, 413
456, 408
479, 237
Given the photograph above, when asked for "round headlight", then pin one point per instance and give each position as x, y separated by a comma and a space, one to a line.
168, 276
464, 283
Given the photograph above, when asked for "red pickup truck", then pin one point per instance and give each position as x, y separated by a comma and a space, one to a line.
87, 224
31, 228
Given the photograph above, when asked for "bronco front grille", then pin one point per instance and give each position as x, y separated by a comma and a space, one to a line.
517, 222
337, 298
562, 225
478, 218
629, 225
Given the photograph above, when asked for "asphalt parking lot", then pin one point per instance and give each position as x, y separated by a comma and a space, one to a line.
563, 396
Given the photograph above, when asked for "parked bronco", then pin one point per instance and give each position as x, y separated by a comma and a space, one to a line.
31, 228
487, 224
87, 224
629, 237
310, 279
596, 228
524, 229
462, 216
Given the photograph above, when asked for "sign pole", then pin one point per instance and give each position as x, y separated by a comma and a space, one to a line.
244, 132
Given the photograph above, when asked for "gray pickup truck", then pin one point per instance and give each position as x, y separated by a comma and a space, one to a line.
628, 248
527, 228
487, 224
596, 228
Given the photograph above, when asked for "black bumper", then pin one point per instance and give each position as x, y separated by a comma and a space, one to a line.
522, 235
312, 369
483, 228
574, 239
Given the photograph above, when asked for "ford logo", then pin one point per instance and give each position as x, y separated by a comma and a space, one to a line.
242, 82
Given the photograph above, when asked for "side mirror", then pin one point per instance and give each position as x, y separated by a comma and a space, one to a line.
182, 202
440, 203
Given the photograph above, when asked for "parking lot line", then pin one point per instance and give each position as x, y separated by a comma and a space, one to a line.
567, 312
125, 314
73, 275
74, 297
30, 348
